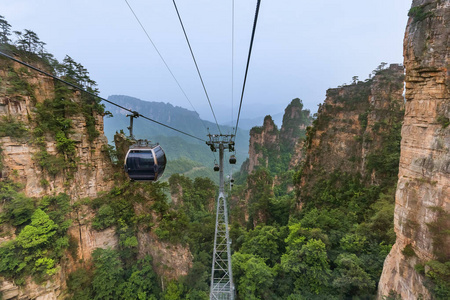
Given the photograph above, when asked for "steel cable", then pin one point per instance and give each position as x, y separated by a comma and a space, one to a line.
248, 62
164, 61
94, 95
196, 65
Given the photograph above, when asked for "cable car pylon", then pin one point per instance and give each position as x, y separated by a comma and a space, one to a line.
222, 287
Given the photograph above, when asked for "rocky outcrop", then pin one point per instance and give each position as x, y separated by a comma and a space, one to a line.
423, 190
47, 291
170, 261
355, 125
263, 137
122, 144
295, 121
68, 153
273, 154
21, 92
93, 170
270, 146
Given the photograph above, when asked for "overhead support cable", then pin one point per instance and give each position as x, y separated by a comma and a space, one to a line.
164, 61
97, 96
248, 62
232, 61
196, 65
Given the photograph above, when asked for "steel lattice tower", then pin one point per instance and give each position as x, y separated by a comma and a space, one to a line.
222, 287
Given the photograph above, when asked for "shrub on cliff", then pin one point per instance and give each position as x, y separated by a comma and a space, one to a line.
41, 234
12, 128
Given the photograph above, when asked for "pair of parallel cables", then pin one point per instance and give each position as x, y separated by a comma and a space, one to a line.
196, 65
195, 61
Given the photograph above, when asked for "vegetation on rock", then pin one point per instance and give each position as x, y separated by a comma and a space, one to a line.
335, 245
53, 117
12, 128
41, 234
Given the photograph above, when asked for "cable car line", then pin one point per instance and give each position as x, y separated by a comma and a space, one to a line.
196, 65
164, 61
248, 61
167, 66
232, 60
94, 95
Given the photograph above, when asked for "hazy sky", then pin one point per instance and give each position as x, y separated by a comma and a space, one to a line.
301, 47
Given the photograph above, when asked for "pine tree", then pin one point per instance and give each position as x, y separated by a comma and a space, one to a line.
30, 42
5, 31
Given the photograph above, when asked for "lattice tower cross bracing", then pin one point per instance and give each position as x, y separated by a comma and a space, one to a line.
222, 287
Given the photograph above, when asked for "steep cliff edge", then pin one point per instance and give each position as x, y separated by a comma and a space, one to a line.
273, 148
422, 203
66, 211
48, 158
356, 132
345, 187
273, 156
52, 143
263, 139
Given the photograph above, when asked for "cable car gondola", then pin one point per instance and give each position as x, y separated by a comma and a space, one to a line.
145, 162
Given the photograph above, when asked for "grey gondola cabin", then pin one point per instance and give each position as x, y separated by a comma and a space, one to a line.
144, 162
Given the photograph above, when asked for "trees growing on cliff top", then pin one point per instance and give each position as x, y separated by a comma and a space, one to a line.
5, 31
29, 41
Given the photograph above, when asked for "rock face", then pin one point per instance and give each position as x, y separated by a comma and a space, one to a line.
273, 155
265, 137
352, 128
423, 190
93, 170
267, 143
295, 121
91, 174
89, 239
170, 261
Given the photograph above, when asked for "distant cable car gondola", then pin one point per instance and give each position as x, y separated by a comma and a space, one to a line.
216, 168
145, 162
232, 159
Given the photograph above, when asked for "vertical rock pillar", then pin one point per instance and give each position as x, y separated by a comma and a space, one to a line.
423, 190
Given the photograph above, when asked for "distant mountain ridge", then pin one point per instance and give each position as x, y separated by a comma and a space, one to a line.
175, 116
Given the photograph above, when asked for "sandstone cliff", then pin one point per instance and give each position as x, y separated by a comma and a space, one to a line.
356, 128
272, 148
262, 140
52, 144
345, 183
422, 202
93, 170
295, 121
21, 93
273, 156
